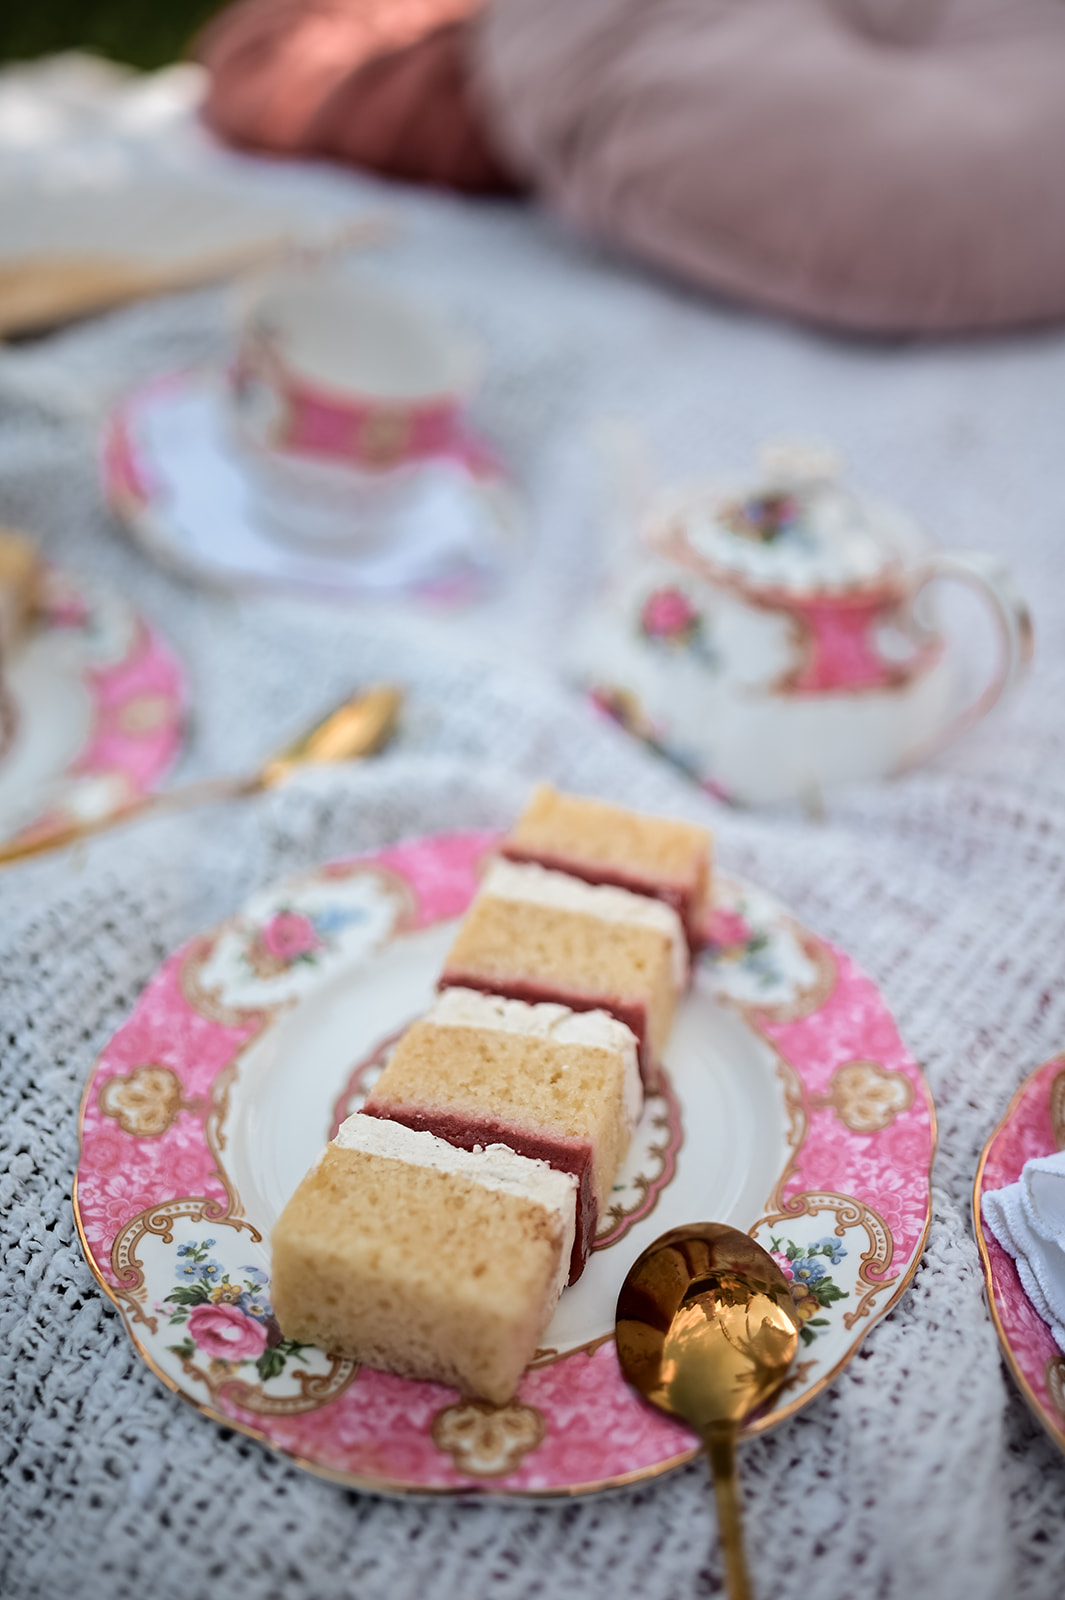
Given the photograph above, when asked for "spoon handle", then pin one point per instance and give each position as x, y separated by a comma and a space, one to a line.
202, 793
357, 727
720, 1442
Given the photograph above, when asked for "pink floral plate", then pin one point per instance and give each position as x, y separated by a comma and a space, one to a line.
790, 1107
92, 711
1034, 1125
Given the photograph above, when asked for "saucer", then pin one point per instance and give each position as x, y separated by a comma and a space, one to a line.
92, 713
175, 474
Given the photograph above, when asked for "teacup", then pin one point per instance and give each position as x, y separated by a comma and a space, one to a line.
770, 639
340, 390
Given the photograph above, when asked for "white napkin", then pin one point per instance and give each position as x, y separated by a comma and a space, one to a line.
1028, 1219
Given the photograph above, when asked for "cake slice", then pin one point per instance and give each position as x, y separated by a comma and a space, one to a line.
604, 843
403, 1252
533, 934
20, 581
554, 1085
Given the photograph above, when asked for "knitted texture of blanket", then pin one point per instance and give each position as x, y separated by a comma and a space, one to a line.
919, 1471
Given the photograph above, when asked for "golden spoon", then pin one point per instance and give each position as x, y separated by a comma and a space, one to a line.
706, 1331
356, 728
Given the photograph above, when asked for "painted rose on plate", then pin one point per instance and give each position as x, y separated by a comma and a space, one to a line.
813, 1289
727, 929
734, 941
225, 1332
227, 1317
291, 937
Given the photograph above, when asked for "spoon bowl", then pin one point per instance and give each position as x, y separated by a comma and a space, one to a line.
706, 1331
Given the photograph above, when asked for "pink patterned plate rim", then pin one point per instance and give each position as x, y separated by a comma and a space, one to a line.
790, 1107
1033, 1125
92, 710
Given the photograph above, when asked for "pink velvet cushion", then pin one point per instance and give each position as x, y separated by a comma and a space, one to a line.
885, 165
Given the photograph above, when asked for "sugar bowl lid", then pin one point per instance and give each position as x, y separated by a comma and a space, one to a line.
798, 530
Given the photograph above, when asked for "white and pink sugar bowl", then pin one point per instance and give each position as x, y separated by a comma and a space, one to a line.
778, 639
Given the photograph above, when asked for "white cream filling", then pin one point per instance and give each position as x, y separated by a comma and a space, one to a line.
495, 1167
469, 1008
512, 880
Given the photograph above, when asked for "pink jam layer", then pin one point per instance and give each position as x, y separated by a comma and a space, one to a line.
468, 1130
680, 896
633, 1013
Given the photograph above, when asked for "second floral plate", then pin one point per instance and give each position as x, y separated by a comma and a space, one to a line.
1033, 1125
92, 711
790, 1107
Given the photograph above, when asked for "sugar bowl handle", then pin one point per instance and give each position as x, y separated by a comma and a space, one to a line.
991, 579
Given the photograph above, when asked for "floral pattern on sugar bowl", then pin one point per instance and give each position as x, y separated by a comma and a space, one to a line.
279, 947
778, 639
669, 621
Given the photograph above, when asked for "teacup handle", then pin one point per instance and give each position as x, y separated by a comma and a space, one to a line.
991, 579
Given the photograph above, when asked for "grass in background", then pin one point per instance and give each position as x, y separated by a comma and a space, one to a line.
144, 33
